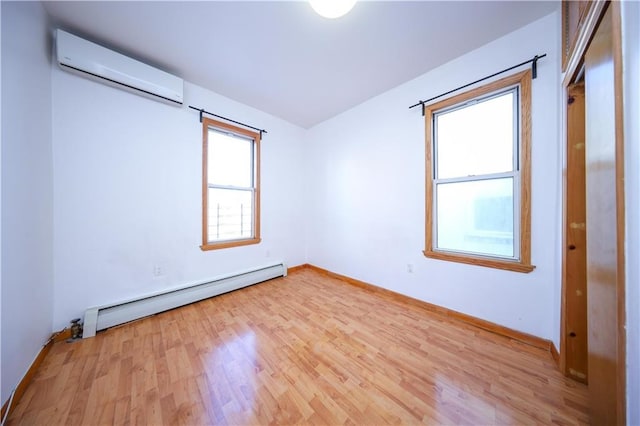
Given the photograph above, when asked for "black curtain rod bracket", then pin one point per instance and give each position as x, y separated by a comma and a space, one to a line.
534, 74
202, 111
534, 67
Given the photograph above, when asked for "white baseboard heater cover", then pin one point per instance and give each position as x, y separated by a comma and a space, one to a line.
102, 317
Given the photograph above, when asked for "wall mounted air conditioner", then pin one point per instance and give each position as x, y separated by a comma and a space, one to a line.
94, 61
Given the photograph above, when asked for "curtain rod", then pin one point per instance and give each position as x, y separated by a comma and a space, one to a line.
202, 111
534, 72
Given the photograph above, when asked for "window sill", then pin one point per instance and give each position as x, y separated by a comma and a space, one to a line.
481, 261
228, 244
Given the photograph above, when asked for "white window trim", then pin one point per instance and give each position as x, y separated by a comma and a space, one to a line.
513, 174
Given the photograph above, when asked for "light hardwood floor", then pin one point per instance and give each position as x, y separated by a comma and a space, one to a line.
302, 349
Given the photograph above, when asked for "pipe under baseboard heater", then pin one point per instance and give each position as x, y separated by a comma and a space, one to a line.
102, 317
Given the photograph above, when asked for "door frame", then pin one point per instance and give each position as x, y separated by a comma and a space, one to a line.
573, 181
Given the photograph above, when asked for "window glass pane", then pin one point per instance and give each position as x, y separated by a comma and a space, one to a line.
229, 159
476, 217
230, 214
476, 139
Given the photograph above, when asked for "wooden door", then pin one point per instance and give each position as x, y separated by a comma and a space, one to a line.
574, 334
604, 199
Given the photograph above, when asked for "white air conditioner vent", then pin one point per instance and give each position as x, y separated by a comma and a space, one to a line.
91, 60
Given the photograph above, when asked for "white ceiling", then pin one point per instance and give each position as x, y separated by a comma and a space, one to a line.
282, 58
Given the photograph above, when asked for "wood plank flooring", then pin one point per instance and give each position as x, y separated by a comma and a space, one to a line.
302, 349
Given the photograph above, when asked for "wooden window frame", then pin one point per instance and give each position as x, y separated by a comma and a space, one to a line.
523, 264
208, 123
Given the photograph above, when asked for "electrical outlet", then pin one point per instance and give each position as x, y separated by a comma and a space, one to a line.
157, 271
410, 268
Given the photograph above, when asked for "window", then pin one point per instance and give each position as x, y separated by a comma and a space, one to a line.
230, 186
478, 176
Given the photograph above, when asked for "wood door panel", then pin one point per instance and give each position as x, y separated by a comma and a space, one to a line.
602, 241
574, 13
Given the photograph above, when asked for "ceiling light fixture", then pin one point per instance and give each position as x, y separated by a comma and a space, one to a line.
332, 8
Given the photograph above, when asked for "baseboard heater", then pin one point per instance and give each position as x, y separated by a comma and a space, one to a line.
102, 317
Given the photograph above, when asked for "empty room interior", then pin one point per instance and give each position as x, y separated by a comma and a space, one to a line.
320, 212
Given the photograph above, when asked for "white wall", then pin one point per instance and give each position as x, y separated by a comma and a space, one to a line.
127, 194
366, 173
127, 186
27, 205
631, 84
1, 392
